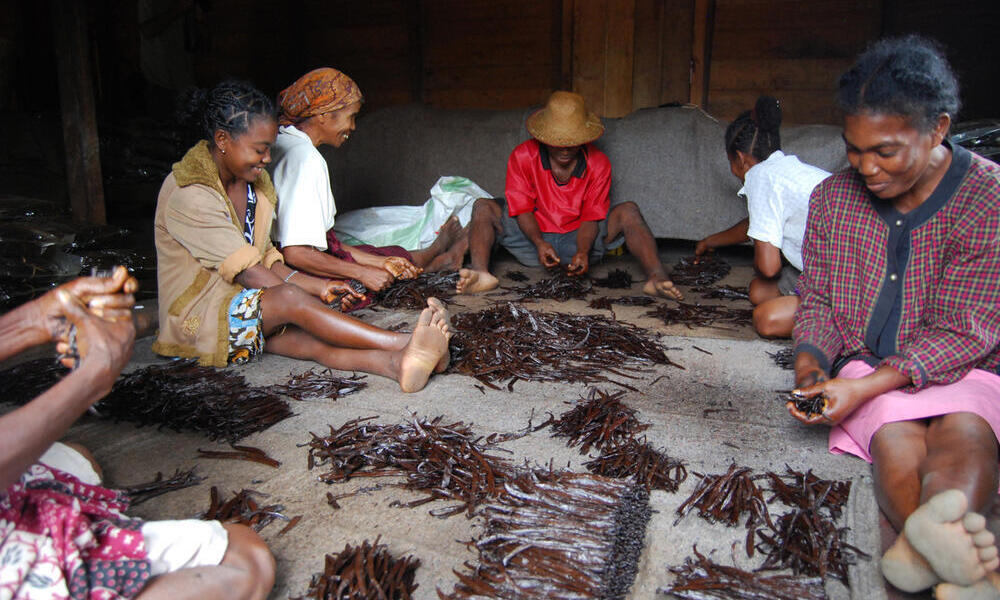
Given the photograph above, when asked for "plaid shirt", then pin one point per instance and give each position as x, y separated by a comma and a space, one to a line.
920, 291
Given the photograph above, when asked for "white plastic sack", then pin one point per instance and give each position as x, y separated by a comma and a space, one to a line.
412, 227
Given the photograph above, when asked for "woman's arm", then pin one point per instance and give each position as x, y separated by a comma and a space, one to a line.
104, 347
737, 234
312, 260
766, 259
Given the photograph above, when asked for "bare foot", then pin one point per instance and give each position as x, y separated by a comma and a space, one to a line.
906, 569
955, 542
428, 345
987, 588
447, 235
472, 282
452, 258
660, 285
441, 320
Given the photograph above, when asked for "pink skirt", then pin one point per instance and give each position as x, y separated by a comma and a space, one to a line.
977, 393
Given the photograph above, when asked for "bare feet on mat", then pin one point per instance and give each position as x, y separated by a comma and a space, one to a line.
441, 320
905, 568
987, 588
954, 541
451, 259
473, 282
660, 285
428, 345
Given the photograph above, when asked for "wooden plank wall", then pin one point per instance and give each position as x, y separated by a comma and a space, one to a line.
790, 49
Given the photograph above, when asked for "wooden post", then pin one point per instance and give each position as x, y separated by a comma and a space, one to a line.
701, 49
79, 120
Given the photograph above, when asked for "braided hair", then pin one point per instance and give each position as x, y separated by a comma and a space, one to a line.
906, 76
230, 106
755, 132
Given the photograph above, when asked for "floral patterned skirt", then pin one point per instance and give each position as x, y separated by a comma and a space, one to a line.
246, 339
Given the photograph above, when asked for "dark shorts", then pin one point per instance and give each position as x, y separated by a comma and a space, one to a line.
788, 282
513, 239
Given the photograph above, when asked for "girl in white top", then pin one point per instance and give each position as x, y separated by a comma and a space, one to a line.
777, 187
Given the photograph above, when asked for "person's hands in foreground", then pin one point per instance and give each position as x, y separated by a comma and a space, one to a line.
547, 255
401, 268
334, 290
579, 265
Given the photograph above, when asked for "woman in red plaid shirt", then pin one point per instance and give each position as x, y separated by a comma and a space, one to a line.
901, 306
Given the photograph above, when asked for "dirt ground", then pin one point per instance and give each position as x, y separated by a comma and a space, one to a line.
722, 407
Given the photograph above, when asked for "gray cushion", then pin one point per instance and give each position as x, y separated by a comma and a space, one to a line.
670, 161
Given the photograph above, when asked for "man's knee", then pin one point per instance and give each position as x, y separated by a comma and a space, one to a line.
486, 208
766, 324
626, 212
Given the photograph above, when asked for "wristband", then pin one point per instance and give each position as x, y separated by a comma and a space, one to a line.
289, 276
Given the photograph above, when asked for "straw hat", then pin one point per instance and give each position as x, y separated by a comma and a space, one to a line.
565, 121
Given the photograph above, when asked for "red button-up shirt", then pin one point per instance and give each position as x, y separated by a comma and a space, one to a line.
558, 208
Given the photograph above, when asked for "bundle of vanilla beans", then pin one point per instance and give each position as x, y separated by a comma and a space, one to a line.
560, 287
558, 535
243, 509
701, 315
365, 572
412, 294
321, 384
783, 358
186, 397
179, 395
604, 302
638, 460
444, 460
142, 492
600, 420
699, 270
509, 343
808, 405
805, 540
702, 579
724, 292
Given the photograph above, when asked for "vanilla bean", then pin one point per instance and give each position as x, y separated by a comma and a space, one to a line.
702, 579
413, 293
699, 270
365, 572
142, 492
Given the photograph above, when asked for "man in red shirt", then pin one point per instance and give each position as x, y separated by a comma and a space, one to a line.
556, 208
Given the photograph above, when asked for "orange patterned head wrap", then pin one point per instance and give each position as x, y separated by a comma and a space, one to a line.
318, 91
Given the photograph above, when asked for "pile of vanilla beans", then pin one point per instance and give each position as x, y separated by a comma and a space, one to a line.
509, 343
443, 460
318, 384
701, 315
604, 422
702, 579
615, 279
783, 358
365, 572
724, 292
805, 540
243, 509
560, 287
699, 270
412, 294
179, 395
142, 492
605, 302
558, 535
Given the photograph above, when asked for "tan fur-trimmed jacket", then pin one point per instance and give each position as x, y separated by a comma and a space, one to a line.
199, 251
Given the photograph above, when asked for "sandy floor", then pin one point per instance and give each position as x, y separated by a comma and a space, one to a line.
722, 407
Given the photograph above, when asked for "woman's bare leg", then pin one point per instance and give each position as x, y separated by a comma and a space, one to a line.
290, 305
423, 352
944, 535
775, 318
761, 290
245, 573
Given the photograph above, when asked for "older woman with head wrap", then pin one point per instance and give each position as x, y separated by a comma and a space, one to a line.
320, 108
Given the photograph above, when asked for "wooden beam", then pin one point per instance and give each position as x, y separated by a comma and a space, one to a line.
79, 120
619, 57
701, 48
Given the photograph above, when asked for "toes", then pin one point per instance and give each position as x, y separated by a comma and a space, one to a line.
983, 539
425, 317
949, 505
987, 554
974, 522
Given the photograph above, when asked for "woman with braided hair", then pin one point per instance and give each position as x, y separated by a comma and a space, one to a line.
777, 188
223, 287
899, 326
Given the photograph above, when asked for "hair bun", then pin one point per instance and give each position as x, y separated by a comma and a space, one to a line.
766, 113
